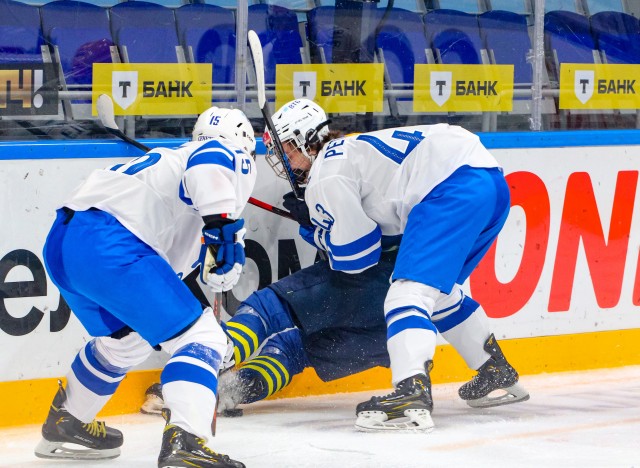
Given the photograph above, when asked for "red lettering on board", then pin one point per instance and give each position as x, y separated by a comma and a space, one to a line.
501, 300
605, 257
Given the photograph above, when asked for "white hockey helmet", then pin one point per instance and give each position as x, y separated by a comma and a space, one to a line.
301, 122
231, 124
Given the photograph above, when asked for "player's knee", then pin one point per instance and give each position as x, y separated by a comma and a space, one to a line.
196, 354
122, 353
247, 312
448, 302
405, 294
287, 348
269, 308
450, 317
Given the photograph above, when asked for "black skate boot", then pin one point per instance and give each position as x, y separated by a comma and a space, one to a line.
183, 449
237, 387
61, 428
407, 409
153, 401
495, 374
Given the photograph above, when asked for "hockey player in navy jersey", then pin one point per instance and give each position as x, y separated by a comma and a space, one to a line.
445, 194
316, 317
116, 251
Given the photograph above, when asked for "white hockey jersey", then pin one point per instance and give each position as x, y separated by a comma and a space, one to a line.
162, 196
363, 187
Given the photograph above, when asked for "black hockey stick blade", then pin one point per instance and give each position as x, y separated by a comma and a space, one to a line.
258, 63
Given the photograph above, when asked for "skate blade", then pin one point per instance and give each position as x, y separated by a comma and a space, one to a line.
415, 420
231, 413
152, 405
48, 449
509, 395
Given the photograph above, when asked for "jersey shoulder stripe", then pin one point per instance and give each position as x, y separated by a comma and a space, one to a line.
212, 153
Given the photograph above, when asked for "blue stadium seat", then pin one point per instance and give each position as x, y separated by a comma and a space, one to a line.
617, 36
320, 26
403, 43
454, 37
568, 39
147, 31
277, 28
324, 35
20, 33
507, 39
208, 35
80, 32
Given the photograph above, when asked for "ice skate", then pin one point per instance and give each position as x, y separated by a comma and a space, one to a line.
91, 441
236, 387
406, 409
233, 390
183, 449
153, 401
495, 374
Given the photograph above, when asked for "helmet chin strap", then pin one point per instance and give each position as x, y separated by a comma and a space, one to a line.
302, 144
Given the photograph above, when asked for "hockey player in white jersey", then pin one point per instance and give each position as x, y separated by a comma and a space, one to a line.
116, 252
445, 194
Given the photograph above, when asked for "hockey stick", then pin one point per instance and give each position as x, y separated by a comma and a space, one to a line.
106, 114
258, 63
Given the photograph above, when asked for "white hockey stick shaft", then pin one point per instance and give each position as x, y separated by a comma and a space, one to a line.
258, 63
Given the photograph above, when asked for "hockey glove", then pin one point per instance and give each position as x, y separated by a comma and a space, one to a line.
308, 233
222, 255
297, 208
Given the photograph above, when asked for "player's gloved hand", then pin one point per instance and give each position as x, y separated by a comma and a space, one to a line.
297, 208
222, 255
307, 233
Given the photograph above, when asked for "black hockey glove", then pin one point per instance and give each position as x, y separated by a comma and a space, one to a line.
297, 208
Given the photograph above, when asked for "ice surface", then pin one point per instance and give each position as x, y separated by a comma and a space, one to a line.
576, 419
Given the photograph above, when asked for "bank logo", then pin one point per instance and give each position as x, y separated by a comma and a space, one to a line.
584, 85
154, 88
28, 89
440, 86
305, 85
599, 86
124, 87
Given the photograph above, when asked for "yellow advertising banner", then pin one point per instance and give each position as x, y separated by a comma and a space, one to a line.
344, 87
463, 88
590, 86
153, 88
